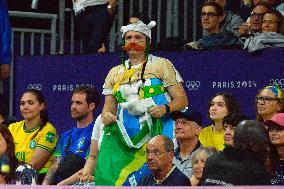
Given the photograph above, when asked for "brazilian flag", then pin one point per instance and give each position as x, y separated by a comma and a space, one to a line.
120, 156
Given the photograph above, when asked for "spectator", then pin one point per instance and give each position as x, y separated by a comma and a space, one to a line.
272, 33
242, 163
73, 146
269, 101
211, 17
198, 161
159, 154
276, 136
93, 18
139, 16
253, 25
35, 138
138, 89
187, 128
272, 21
12, 170
231, 22
230, 123
221, 105
85, 177
5, 41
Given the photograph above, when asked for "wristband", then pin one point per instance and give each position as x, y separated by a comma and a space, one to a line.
168, 109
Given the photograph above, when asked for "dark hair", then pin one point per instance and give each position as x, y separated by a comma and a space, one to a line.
141, 16
41, 99
252, 137
10, 152
280, 19
231, 102
218, 8
92, 95
234, 119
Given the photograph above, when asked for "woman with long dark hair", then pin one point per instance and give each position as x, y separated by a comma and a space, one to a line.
220, 105
35, 138
12, 170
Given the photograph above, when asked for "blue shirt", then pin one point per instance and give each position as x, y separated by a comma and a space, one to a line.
79, 140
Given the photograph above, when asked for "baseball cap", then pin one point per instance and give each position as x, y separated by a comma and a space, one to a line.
277, 119
188, 113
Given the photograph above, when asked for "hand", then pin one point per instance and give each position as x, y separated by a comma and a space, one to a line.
5, 71
86, 177
157, 111
244, 29
2, 179
108, 118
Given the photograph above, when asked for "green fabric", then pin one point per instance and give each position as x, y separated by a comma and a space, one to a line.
150, 91
119, 97
114, 154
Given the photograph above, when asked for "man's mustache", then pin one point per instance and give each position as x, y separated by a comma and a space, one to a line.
133, 46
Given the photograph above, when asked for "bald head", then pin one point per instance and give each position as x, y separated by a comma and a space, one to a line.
167, 143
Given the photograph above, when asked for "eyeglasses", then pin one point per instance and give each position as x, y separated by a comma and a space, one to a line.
208, 14
155, 153
253, 14
268, 22
265, 99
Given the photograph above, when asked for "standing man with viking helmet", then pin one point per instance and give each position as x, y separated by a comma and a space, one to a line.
141, 89
143, 85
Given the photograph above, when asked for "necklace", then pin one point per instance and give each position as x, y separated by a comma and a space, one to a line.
158, 182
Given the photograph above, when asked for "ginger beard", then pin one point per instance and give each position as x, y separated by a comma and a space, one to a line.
133, 46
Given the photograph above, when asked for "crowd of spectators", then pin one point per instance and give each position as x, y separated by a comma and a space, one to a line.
146, 111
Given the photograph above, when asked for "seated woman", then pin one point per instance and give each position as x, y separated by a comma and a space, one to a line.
221, 105
12, 170
35, 138
272, 33
269, 101
198, 161
276, 136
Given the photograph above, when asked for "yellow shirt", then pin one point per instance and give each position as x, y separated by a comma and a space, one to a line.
210, 138
26, 141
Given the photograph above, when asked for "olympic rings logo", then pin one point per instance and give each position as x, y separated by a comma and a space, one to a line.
192, 85
277, 82
36, 86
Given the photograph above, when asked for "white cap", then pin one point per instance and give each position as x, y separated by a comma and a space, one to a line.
138, 27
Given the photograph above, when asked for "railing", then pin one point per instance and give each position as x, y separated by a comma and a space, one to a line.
175, 18
32, 33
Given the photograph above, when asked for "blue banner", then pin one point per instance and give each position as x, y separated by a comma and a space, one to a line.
204, 74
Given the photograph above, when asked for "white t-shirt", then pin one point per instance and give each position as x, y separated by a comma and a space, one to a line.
98, 130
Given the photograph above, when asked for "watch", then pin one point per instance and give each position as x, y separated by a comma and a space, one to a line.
168, 109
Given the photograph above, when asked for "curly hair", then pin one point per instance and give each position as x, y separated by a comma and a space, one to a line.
231, 102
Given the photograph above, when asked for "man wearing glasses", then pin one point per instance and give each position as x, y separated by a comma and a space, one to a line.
231, 22
253, 25
211, 17
159, 155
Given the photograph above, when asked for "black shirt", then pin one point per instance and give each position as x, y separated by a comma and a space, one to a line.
176, 178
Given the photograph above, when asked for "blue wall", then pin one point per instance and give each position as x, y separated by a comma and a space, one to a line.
204, 73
